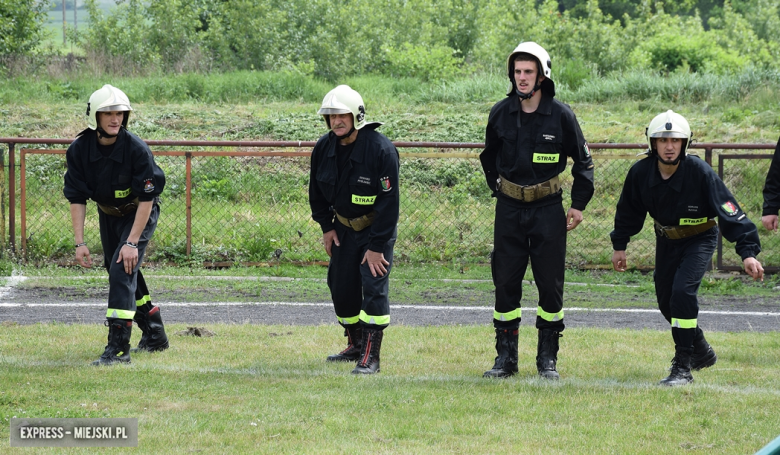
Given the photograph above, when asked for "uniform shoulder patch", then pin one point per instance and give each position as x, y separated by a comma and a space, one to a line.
729, 208
386, 184
148, 186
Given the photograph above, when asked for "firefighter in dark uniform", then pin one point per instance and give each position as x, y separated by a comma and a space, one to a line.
353, 193
529, 137
683, 195
115, 168
772, 193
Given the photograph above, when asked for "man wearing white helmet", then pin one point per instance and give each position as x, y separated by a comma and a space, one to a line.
529, 138
353, 193
772, 193
116, 169
683, 195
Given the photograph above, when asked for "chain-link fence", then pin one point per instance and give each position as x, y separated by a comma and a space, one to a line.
252, 207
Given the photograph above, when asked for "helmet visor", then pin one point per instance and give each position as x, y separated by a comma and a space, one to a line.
333, 110
115, 108
676, 134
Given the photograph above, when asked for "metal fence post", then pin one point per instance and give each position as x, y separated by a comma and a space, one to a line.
23, 201
12, 196
188, 200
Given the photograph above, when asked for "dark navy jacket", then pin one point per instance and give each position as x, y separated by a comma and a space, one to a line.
531, 154
772, 186
369, 183
128, 173
693, 195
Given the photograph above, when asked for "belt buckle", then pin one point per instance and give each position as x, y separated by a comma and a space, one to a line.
660, 231
498, 184
528, 193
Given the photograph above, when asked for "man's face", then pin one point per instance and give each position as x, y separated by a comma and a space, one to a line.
111, 121
668, 148
526, 75
341, 124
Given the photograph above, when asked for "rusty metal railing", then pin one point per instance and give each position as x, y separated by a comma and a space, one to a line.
297, 147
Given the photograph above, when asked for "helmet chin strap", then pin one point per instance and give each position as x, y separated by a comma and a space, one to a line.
351, 130
525, 96
669, 163
103, 134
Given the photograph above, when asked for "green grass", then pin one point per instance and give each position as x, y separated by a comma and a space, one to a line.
267, 389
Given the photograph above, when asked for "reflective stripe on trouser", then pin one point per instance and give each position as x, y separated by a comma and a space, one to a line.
537, 234
119, 314
684, 323
549, 317
356, 294
680, 266
122, 287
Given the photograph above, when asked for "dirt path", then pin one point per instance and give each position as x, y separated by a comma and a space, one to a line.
725, 314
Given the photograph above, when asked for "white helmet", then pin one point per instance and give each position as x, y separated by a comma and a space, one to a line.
107, 99
544, 64
344, 100
668, 124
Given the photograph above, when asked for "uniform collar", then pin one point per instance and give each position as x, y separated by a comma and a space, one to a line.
117, 154
358, 151
674, 181
544, 108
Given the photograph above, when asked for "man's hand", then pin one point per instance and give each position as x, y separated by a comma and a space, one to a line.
754, 269
376, 262
83, 257
573, 219
769, 222
129, 256
328, 239
619, 260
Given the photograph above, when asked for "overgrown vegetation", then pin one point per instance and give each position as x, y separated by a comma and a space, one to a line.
424, 39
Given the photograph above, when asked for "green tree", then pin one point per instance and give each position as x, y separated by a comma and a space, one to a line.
21, 25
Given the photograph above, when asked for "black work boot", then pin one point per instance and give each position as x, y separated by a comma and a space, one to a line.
118, 348
680, 373
703, 355
354, 334
547, 353
153, 337
506, 360
368, 363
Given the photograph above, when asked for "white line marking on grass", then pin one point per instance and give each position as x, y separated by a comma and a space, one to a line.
403, 306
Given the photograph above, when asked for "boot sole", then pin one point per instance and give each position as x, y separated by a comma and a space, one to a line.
497, 375
342, 359
148, 349
705, 363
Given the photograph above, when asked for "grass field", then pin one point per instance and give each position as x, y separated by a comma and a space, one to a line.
267, 389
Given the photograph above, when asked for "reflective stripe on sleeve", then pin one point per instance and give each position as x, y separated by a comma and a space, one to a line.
143, 300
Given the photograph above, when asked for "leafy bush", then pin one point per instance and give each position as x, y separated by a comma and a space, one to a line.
423, 62
21, 26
